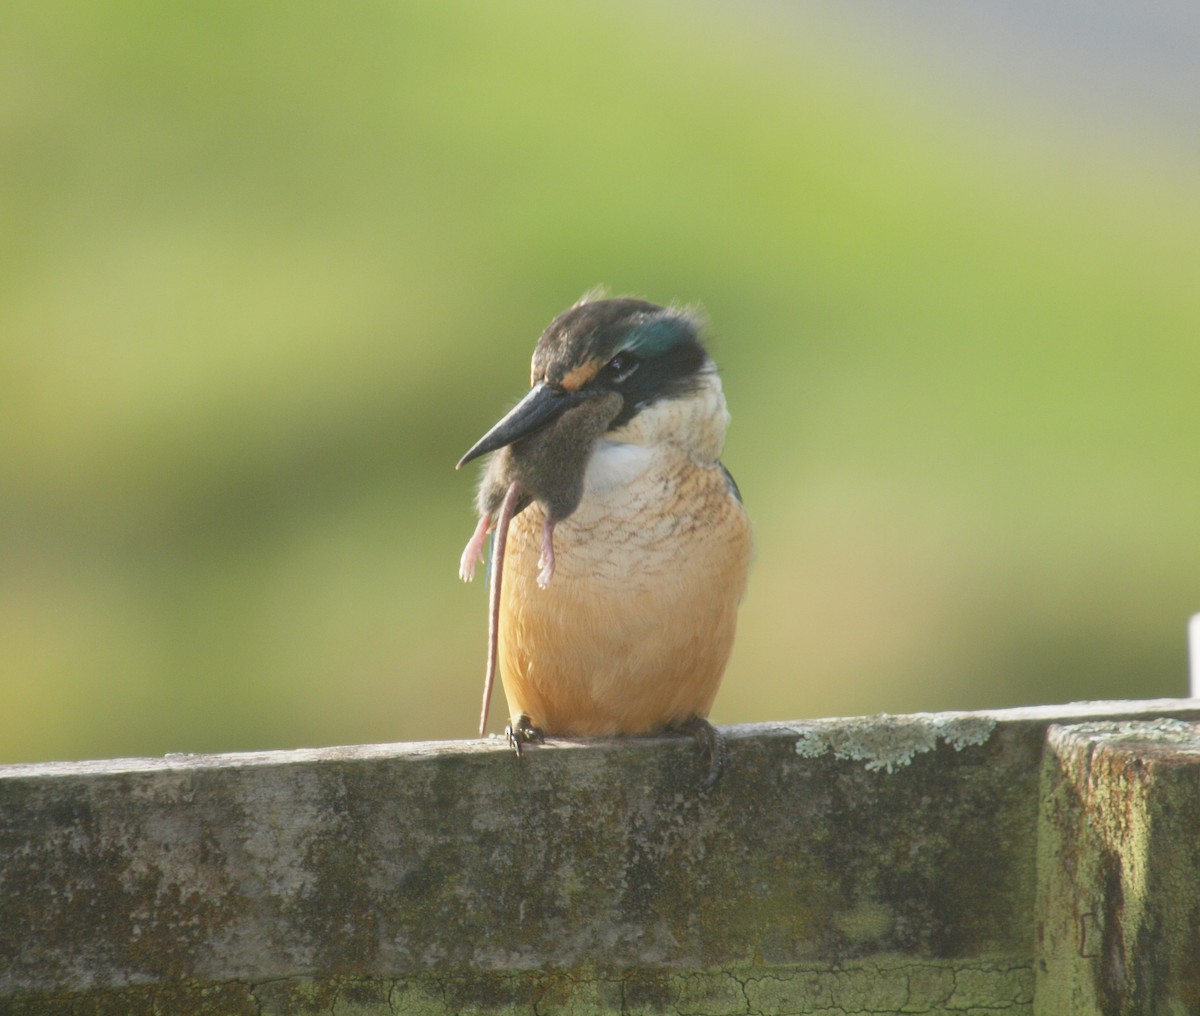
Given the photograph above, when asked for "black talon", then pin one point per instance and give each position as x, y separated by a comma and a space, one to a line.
520, 732
712, 745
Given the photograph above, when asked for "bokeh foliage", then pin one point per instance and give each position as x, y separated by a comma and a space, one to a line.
269, 269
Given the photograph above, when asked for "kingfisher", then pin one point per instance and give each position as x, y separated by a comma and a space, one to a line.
621, 545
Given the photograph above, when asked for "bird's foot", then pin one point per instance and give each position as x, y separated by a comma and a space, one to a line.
521, 732
473, 552
713, 747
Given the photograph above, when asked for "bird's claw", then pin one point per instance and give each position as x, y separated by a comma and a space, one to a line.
713, 747
521, 732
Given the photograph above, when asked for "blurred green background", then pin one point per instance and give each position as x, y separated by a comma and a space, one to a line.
269, 269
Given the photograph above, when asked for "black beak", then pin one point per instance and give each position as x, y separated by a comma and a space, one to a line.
540, 408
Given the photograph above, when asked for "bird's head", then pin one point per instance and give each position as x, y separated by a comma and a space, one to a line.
649, 356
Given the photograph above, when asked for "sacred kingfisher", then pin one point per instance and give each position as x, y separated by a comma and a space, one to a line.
621, 543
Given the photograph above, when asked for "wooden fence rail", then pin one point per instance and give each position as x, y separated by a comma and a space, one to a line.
1035, 860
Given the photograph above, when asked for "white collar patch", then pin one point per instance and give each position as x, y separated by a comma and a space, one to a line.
615, 464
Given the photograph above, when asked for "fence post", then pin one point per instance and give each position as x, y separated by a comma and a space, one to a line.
1118, 914
1194, 654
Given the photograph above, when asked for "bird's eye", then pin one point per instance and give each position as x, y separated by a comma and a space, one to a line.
621, 366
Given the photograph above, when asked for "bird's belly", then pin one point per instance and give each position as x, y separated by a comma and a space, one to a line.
635, 628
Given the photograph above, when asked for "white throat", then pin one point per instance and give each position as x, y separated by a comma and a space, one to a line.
615, 464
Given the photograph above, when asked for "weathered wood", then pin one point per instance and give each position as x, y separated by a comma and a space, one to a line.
1118, 914
884, 864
